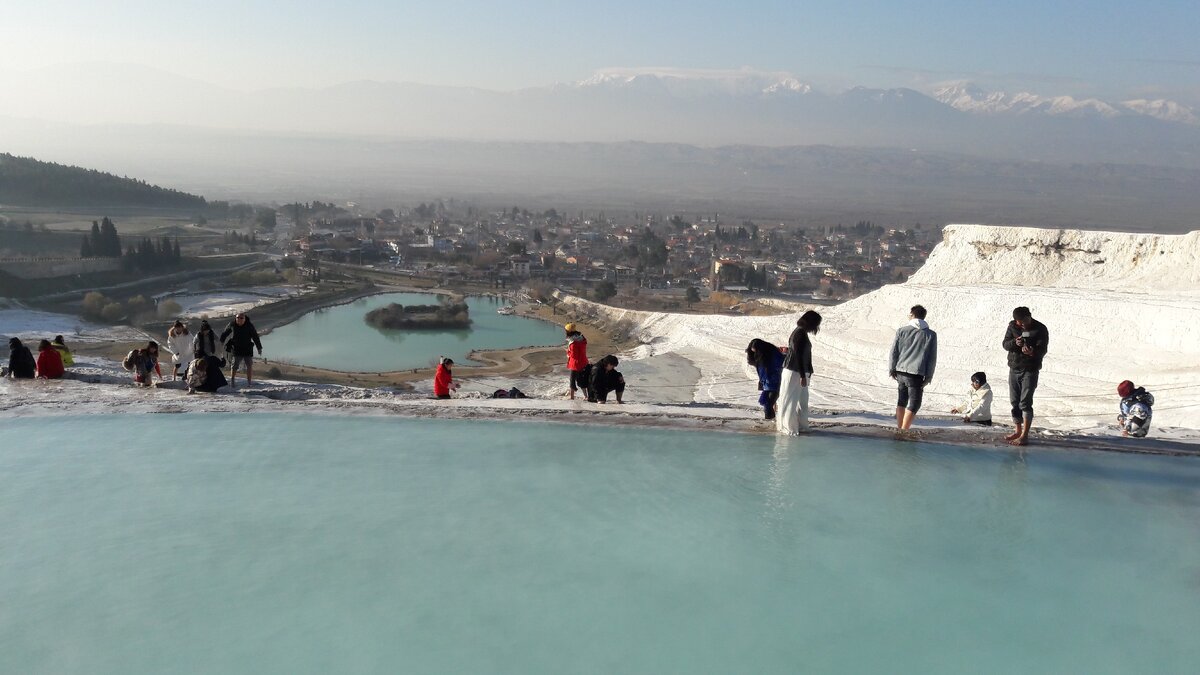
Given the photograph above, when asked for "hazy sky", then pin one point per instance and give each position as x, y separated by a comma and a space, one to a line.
1104, 47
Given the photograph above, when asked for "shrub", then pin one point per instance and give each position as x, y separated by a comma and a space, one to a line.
168, 309
113, 312
273, 372
93, 304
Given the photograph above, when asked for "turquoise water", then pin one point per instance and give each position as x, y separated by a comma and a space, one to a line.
339, 339
309, 544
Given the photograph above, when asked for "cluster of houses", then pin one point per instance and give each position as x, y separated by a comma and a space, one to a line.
640, 251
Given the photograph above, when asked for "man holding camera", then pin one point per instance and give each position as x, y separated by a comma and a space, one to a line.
1025, 341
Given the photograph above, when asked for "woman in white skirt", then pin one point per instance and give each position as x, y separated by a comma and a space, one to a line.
792, 415
179, 343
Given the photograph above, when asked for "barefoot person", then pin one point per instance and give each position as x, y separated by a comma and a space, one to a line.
791, 415
179, 343
1026, 341
241, 339
606, 378
911, 364
577, 361
768, 362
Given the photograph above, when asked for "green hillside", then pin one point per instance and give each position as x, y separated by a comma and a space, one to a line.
28, 182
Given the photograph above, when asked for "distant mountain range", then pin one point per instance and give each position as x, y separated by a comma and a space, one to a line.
653, 105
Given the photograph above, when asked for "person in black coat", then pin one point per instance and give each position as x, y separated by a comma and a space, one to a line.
606, 378
1026, 340
240, 339
20, 361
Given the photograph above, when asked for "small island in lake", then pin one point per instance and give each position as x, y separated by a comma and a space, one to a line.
449, 313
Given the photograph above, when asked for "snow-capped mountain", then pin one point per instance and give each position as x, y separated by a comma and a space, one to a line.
970, 98
682, 82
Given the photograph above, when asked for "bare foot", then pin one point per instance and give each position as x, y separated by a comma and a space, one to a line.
1019, 441
1013, 436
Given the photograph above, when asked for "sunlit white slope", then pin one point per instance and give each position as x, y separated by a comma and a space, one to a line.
1118, 306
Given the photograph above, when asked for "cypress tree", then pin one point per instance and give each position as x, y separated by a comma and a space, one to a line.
85, 249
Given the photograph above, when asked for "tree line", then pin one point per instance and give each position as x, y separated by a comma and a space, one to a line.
29, 182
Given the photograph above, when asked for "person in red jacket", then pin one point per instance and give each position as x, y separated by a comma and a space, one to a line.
49, 362
577, 361
443, 379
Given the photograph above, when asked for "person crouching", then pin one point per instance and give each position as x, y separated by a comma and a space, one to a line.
443, 379
1136, 410
768, 362
606, 378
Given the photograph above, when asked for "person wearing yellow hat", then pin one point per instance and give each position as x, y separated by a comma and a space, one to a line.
577, 361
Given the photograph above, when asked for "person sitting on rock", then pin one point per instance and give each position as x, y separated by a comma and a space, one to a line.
606, 378
1136, 410
978, 407
67, 358
49, 362
20, 361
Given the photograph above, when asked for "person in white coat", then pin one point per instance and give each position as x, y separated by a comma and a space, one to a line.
791, 416
179, 343
978, 407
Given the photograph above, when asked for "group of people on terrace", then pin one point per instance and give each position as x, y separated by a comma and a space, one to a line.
784, 375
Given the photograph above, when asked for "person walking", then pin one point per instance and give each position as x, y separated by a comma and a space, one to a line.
240, 338
179, 343
49, 362
768, 362
21, 365
205, 342
978, 407
1026, 340
911, 364
67, 358
577, 361
791, 415
143, 363
443, 378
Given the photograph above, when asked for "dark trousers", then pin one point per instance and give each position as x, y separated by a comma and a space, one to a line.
580, 380
911, 391
1021, 385
601, 393
767, 399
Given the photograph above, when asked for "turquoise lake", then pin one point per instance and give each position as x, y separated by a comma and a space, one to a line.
339, 339
317, 544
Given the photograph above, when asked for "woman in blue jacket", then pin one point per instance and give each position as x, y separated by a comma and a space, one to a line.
768, 361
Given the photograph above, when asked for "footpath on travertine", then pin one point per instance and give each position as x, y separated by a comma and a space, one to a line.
100, 388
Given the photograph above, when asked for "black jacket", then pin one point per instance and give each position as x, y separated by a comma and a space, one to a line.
21, 363
244, 338
799, 356
1039, 339
605, 380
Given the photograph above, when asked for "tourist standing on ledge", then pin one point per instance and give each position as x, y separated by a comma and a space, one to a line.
179, 343
49, 362
978, 408
240, 338
792, 415
443, 379
911, 364
205, 342
1136, 410
1026, 341
577, 360
20, 361
65, 353
768, 361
